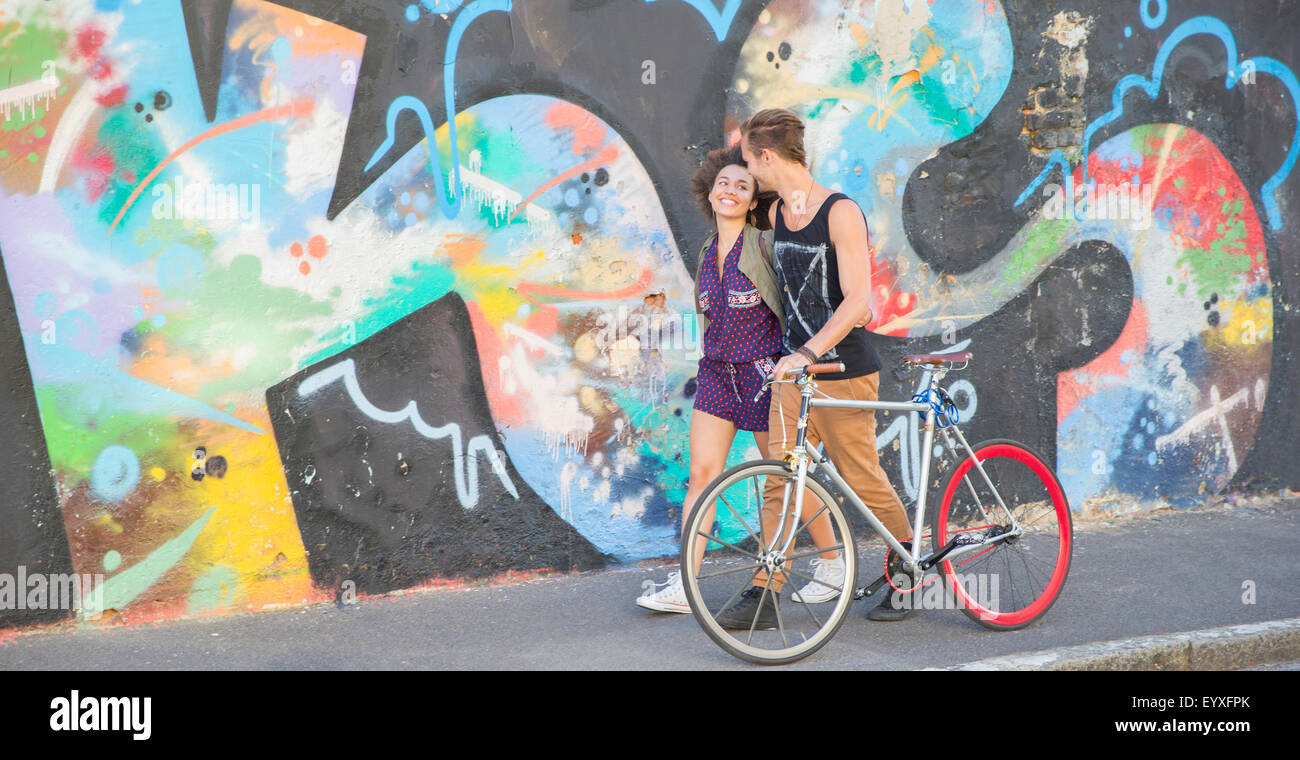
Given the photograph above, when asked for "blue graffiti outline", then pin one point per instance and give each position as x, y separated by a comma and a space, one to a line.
719, 21
1147, 20
467, 16
1190, 27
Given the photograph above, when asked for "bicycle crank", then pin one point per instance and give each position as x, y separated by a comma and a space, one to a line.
966, 542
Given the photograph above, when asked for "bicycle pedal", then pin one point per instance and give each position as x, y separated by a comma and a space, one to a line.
868, 590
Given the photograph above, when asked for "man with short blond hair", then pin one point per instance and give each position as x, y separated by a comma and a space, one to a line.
824, 273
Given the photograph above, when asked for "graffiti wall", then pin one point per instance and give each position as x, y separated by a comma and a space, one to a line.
306, 295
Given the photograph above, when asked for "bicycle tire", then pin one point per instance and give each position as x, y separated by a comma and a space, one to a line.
1032, 491
802, 630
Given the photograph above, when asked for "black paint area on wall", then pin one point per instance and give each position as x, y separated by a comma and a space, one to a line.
32, 534
366, 441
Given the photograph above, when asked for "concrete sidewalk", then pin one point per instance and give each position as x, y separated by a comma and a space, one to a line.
1146, 576
1269, 645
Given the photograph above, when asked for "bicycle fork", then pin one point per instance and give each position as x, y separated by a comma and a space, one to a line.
799, 454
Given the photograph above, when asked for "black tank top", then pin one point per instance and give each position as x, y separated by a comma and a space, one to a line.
809, 277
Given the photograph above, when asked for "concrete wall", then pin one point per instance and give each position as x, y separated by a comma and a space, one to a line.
276, 330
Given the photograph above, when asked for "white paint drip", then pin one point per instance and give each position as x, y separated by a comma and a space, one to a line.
567, 474
572, 442
25, 95
479, 190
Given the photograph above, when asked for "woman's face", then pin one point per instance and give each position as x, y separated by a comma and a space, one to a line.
733, 192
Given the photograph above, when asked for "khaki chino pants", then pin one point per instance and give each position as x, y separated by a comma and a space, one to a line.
850, 438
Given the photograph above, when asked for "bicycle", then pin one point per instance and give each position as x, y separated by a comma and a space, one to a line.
1018, 533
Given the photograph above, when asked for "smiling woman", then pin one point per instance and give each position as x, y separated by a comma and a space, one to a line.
735, 293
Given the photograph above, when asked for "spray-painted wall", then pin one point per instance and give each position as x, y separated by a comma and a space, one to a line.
274, 325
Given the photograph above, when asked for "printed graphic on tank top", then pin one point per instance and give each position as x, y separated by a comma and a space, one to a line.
808, 274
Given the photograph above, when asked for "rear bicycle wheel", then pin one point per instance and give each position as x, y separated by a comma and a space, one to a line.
1012, 582
725, 530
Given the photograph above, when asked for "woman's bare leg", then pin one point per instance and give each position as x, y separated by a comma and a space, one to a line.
711, 439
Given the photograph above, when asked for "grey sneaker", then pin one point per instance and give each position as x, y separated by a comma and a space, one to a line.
895, 605
741, 614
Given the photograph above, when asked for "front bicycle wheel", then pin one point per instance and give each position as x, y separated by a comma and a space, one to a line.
736, 553
1013, 581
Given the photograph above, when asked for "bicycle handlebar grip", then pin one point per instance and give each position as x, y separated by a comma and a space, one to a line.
814, 369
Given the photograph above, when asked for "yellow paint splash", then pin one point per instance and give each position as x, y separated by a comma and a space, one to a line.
1245, 323
254, 530
931, 57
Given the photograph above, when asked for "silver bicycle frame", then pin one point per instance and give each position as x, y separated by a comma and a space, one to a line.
803, 457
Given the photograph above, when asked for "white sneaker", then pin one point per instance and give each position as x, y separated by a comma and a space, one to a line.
670, 598
828, 571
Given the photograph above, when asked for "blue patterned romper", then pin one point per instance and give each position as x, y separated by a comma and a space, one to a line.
741, 345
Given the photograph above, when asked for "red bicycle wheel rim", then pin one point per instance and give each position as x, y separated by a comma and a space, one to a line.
1059, 506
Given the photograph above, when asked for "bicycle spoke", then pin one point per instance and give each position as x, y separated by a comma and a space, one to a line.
810, 520
1046, 513
792, 571
740, 519
780, 625
1024, 559
1051, 566
811, 552
708, 537
732, 560
1030, 578
753, 623
809, 609
1006, 562
703, 576
737, 594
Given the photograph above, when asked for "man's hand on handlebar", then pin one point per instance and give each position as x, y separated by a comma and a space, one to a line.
795, 362
795, 370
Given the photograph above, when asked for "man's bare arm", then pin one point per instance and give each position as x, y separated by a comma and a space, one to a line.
848, 232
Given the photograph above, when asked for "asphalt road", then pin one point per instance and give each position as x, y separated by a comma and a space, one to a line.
1162, 572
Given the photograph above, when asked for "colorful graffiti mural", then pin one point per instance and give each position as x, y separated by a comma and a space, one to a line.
397, 294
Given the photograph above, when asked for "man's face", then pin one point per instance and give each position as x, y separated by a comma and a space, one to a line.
754, 162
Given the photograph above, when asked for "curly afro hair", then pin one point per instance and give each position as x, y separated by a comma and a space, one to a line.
704, 177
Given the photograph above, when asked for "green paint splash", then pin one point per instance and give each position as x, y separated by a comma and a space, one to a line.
25, 45
123, 588
75, 434
232, 307
1222, 267
1042, 244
